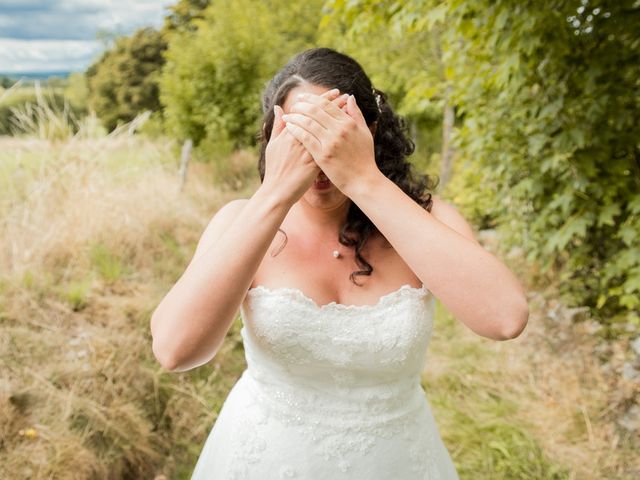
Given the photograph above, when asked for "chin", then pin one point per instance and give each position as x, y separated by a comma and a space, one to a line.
325, 198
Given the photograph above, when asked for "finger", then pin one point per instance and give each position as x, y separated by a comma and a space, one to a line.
287, 133
331, 94
335, 97
308, 123
316, 112
341, 101
326, 105
278, 122
354, 111
311, 111
310, 142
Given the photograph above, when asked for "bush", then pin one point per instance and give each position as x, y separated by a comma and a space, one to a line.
124, 81
215, 73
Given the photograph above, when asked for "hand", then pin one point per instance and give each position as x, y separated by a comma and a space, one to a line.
289, 167
339, 140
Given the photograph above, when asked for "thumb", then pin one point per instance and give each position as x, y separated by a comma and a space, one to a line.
278, 123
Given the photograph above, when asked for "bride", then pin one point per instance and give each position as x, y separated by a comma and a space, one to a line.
334, 264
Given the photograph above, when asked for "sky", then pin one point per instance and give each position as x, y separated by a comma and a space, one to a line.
60, 35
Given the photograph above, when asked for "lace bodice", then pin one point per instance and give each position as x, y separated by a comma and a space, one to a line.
287, 335
330, 391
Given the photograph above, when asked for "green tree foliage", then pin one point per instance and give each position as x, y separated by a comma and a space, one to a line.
76, 91
214, 75
551, 114
182, 15
547, 101
406, 65
6, 82
124, 81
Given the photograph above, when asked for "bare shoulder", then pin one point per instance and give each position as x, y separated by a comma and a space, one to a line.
221, 220
448, 214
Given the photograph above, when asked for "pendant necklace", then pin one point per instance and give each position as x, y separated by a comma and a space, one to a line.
336, 253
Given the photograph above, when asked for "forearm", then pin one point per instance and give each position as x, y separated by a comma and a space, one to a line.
193, 319
474, 285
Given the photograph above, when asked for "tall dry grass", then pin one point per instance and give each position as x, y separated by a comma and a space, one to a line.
94, 230
92, 233
7, 92
549, 404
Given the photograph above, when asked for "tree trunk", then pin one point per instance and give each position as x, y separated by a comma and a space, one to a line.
184, 162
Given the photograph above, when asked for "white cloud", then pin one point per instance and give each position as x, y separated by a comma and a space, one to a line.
60, 35
46, 55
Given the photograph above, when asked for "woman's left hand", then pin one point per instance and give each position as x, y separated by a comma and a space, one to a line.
339, 141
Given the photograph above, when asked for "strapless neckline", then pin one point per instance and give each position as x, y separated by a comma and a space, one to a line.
291, 292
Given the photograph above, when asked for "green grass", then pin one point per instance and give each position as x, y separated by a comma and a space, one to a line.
477, 420
138, 416
109, 266
76, 294
170, 261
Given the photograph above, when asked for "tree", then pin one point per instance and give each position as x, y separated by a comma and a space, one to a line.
6, 82
400, 50
548, 125
183, 14
124, 81
76, 91
215, 72
551, 103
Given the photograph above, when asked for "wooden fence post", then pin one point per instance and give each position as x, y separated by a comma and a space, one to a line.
184, 161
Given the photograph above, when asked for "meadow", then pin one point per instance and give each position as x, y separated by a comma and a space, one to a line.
529, 116
95, 229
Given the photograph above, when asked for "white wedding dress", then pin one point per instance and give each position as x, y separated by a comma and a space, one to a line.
330, 392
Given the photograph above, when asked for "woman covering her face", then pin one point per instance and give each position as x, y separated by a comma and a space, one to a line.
335, 263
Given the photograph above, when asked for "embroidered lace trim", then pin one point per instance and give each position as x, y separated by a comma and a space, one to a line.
298, 294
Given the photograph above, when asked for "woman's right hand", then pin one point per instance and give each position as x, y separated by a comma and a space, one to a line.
290, 169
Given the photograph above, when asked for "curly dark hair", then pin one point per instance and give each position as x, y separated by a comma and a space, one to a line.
328, 68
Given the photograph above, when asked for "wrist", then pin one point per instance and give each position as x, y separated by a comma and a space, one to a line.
365, 185
274, 197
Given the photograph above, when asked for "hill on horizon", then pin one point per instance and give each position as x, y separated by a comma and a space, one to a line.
35, 75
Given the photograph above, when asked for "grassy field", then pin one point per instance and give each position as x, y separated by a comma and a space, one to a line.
93, 232
536, 407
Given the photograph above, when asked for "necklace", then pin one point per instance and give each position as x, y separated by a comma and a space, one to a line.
336, 253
